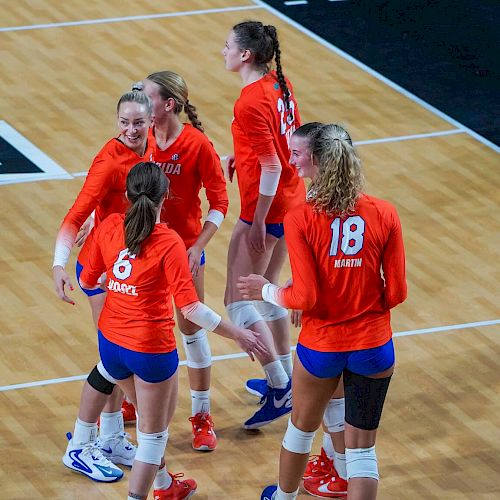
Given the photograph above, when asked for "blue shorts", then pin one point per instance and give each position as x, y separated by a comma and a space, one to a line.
121, 363
331, 364
277, 230
86, 291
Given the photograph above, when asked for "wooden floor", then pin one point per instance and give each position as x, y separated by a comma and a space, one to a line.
440, 432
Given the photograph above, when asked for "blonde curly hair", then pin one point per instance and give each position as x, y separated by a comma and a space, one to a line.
340, 180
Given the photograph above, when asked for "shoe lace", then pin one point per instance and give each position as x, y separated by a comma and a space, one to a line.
92, 450
176, 478
202, 422
320, 462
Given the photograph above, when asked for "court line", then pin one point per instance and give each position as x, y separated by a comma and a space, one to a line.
238, 355
377, 75
363, 143
128, 18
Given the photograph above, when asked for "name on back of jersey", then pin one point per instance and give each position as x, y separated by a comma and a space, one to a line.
116, 286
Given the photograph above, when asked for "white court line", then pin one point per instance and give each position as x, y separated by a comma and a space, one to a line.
238, 355
364, 143
410, 137
377, 75
128, 18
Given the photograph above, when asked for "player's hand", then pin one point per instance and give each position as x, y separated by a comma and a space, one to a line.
257, 237
250, 286
295, 314
84, 231
296, 317
230, 167
250, 342
61, 280
194, 257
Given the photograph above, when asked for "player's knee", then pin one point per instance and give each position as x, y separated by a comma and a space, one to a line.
243, 313
197, 349
297, 441
361, 462
334, 417
101, 383
151, 447
270, 312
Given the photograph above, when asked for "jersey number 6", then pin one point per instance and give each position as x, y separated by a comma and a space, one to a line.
122, 268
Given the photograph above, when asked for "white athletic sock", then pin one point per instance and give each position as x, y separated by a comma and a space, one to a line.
340, 464
111, 423
276, 375
286, 361
200, 402
85, 432
281, 495
328, 445
163, 480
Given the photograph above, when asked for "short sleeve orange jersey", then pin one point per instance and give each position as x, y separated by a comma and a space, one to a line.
138, 312
190, 162
103, 190
262, 127
347, 274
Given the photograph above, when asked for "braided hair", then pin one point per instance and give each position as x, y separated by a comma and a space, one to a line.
173, 86
262, 41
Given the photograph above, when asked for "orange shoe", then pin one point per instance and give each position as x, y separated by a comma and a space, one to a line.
178, 489
331, 486
319, 466
204, 438
128, 412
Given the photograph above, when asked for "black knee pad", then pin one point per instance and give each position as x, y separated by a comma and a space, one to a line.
364, 400
99, 383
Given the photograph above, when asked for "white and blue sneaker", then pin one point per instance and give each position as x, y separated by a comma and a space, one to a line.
269, 492
275, 404
118, 449
257, 386
88, 460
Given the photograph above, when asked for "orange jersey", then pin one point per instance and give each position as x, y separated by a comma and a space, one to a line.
189, 163
103, 190
261, 127
138, 312
347, 274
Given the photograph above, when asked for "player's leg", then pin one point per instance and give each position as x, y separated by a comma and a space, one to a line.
314, 380
199, 362
112, 437
276, 318
242, 261
326, 473
366, 381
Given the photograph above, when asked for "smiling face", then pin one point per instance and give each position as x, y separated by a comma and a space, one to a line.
133, 124
301, 157
232, 53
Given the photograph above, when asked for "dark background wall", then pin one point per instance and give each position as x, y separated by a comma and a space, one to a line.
445, 52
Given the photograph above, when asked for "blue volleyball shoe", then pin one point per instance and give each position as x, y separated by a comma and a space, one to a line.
269, 492
257, 386
87, 459
275, 404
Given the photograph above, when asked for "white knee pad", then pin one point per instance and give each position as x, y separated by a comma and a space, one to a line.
270, 312
334, 417
361, 462
105, 374
197, 349
243, 313
297, 441
151, 447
